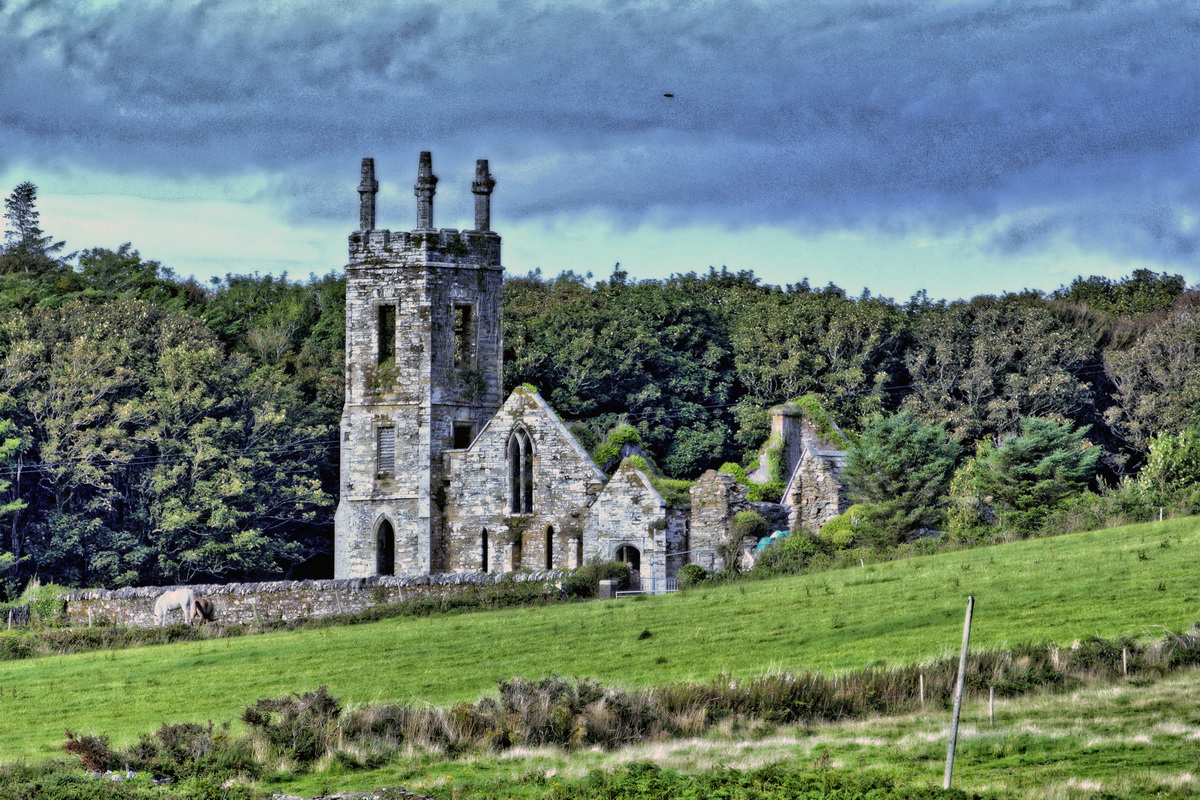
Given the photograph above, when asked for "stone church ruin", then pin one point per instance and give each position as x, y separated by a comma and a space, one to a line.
441, 473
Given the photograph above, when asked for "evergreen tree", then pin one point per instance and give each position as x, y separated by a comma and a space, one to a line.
1033, 473
26, 248
900, 468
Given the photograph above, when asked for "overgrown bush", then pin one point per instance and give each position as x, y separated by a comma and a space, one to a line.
690, 575
791, 555
855, 528
609, 450
188, 749
769, 492
584, 582
92, 750
299, 727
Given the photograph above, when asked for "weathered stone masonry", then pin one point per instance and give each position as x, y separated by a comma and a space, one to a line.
423, 375
249, 603
440, 474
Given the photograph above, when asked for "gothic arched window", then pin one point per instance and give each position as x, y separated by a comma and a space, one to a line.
520, 472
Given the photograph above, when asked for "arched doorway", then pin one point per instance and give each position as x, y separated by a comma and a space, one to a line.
385, 549
633, 557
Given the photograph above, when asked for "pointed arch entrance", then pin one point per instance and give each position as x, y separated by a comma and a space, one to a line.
385, 549
633, 557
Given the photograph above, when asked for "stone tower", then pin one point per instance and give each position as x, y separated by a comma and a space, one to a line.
423, 375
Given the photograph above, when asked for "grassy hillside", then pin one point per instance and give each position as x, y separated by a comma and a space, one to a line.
1121, 581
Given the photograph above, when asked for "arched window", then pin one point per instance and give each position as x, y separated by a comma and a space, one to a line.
385, 549
550, 547
483, 551
520, 472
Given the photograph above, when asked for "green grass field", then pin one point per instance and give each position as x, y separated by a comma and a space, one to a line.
1122, 581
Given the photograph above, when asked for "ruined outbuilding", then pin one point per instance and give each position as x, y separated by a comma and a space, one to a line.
442, 473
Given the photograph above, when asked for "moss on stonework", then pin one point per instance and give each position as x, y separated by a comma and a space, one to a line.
776, 453
811, 408
610, 449
674, 492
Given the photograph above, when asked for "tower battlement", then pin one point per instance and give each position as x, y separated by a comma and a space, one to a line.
448, 246
370, 246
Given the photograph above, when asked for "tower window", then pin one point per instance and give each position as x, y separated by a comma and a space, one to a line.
520, 472
464, 336
385, 439
387, 333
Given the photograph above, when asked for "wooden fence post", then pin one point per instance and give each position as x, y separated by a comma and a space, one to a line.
958, 693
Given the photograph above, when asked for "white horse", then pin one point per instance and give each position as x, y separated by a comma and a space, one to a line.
181, 599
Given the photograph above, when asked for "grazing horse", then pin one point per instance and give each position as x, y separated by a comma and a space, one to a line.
181, 599
206, 610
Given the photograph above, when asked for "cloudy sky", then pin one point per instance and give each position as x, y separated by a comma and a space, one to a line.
957, 147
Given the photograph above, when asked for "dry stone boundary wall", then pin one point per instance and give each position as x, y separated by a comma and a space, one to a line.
248, 603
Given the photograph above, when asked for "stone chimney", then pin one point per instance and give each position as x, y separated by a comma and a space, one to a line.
367, 189
482, 188
426, 186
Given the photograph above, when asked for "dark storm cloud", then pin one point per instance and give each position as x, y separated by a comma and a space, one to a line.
1072, 119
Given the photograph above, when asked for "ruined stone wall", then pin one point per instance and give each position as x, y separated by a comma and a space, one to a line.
247, 603
678, 539
816, 492
714, 500
630, 512
478, 493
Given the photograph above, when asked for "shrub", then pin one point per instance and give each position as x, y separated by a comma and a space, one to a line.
585, 581
769, 492
747, 525
790, 555
855, 528
298, 727
92, 750
188, 750
690, 575
610, 449
736, 470
44, 600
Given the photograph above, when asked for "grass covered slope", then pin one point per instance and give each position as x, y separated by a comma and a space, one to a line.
1120, 581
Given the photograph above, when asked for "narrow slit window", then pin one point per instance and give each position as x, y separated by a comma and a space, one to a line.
550, 548
386, 450
483, 551
464, 336
387, 333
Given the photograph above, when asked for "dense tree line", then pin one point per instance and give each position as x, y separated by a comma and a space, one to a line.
155, 429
